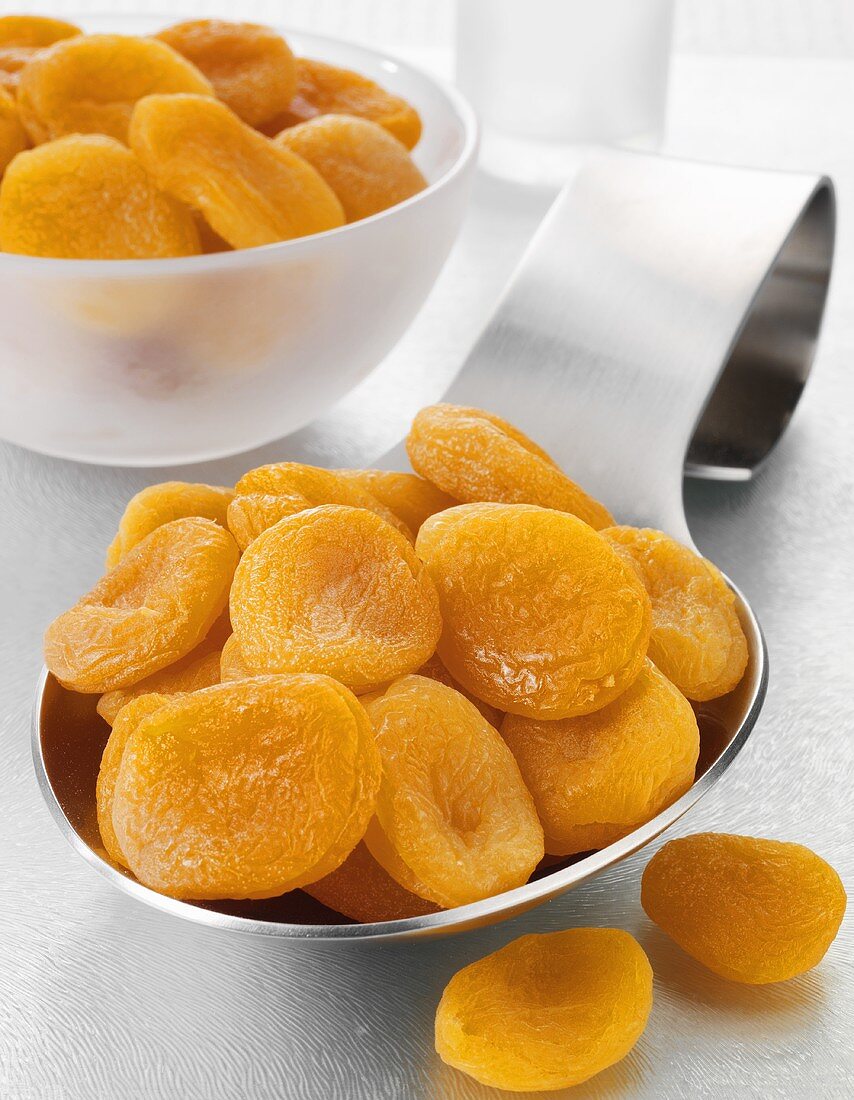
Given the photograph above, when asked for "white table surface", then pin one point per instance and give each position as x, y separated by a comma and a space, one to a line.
103, 998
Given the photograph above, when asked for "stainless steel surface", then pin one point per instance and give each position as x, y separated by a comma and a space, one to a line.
101, 997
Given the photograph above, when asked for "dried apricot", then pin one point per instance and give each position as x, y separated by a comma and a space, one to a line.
435, 670
13, 137
546, 1011
477, 456
754, 911
597, 777
334, 590
88, 197
361, 890
697, 640
231, 663
541, 617
270, 493
89, 84
367, 168
126, 720
454, 821
249, 190
246, 790
158, 504
151, 610
323, 89
410, 497
23, 37
250, 67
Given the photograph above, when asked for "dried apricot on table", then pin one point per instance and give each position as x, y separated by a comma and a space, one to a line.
23, 37
250, 67
367, 168
156, 606
269, 493
697, 640
754, 911
476, 456
412, 498
87, 197
246, 790
454, 821
361, 890
13, 137
90, 84
597, 777
334, 590
541, 617
249, 190
547, 1011
158, 504
323, 89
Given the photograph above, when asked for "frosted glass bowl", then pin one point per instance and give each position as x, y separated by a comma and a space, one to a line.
156, 362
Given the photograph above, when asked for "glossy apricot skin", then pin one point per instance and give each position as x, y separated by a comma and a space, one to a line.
367, 168
548, 1011
246, 790
158, 504
697, 639
541, 617
454, 822
155, 607
249, 190
476, 456
597, 777
435, 670
753, 911
250, 67
13, 136
87, 197
412, 498
89, 84
334, 590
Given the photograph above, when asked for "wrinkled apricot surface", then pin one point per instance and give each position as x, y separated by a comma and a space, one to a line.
323, 89
13, 137
335, 590
152, 609
90, 84
269, 493
597, 777
546, 1011
541, 617
159, 504
754, 911
435, 670
88, 197
361, 890
476, 456
697, 640
454, 822
410, 497
367, 168
249, 190
247, 789
250, 67
231, 663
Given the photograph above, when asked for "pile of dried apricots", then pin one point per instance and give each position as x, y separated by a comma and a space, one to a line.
398, 691
208, 136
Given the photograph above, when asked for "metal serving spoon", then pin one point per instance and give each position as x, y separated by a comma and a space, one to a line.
664, 318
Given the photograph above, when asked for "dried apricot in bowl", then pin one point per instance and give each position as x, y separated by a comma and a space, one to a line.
476, 456
754, 911
454, 821
597, 777
246, 790
541, 617
152, 609
269, 493
367, 168
249, 190
327, 90
22, 37
158, 504
87, 197
13, 137
250, 67
546, 1011
412, 498
90, 84
697, 640
335, 590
